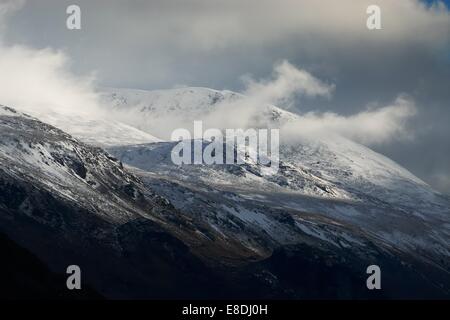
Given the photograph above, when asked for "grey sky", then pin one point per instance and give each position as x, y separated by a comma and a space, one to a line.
162, 44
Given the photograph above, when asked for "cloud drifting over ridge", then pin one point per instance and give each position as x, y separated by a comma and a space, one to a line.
287, 81
372, 126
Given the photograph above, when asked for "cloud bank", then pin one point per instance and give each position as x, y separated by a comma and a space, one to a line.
40, 81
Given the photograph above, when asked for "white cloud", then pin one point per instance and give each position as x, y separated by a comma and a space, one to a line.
40, 80
369, 127
287, 81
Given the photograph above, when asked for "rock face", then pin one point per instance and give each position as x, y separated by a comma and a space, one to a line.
150, 229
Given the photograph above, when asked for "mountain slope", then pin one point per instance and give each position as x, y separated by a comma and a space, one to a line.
92, 128
70, 203
383, 197
334, 192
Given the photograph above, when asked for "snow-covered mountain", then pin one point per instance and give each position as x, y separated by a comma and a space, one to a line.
68, 202
159, 112
333, 208
369, 190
